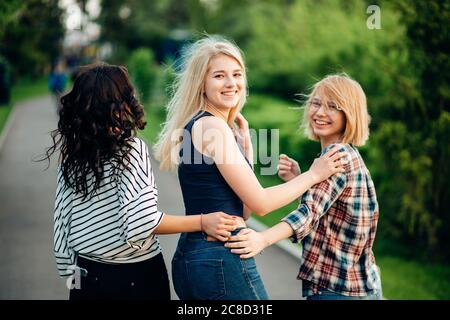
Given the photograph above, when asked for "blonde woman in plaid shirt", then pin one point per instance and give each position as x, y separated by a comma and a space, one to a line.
336, 220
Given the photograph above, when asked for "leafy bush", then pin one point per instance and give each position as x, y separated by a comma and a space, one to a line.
143, 71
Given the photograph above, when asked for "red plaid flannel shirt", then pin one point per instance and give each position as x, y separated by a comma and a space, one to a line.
336, 223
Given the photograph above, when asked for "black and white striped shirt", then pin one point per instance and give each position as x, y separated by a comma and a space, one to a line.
116, 224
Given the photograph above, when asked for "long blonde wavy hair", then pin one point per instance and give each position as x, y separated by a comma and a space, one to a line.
188, 96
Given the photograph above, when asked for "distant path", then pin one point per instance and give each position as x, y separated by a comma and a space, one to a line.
27, 267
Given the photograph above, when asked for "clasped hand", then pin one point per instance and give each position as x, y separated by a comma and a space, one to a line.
247, 243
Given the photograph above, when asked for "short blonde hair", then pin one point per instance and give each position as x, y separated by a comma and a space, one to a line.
188, 97
347, 94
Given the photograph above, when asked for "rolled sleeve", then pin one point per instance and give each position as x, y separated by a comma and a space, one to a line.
299, 220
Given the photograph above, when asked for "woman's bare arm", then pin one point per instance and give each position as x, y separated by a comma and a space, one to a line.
216, 224
212, 137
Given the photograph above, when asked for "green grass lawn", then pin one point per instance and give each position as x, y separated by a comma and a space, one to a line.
26, 89
4, 113
23, 90
411, 279
404, 276
154, 118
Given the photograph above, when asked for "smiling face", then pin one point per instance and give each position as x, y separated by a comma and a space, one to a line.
326, 118
225, 82
336, 111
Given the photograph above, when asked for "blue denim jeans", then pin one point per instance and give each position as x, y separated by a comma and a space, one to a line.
206, 270
330, 295
325, 294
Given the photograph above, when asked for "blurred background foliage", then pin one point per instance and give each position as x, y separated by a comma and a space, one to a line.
403, 67
31, 33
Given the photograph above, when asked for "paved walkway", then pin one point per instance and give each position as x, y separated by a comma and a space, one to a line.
27, 266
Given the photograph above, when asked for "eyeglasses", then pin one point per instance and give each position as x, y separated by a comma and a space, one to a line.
331, 108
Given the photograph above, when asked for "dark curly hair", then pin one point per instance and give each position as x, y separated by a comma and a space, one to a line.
97, 118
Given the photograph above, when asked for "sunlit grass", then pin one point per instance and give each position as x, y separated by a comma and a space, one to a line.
155, 119
413, 280
28, 89
23, 90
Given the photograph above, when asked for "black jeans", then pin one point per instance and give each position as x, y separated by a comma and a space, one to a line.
146, 280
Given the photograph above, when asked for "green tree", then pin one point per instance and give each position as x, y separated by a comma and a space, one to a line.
143, 71
140, 23
9, 10
32, 39
414, 132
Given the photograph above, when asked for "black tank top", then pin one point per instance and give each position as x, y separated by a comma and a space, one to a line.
202, 185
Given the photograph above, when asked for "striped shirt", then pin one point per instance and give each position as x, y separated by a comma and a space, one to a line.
336, 222
116, 224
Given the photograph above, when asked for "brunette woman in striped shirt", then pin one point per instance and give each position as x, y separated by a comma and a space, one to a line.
106, 217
